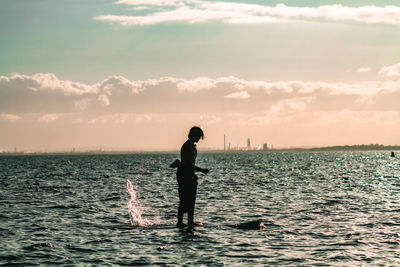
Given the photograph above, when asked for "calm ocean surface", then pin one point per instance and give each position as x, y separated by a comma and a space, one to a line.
319, 209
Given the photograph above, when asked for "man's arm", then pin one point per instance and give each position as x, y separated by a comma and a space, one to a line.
198, 169
194, 167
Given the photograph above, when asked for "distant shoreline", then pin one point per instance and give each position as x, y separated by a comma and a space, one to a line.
347, 148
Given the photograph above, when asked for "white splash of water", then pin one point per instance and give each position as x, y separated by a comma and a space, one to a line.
134, 208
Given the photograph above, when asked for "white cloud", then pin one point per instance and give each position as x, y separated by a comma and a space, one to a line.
196, 85
47, 82
238, 95
113, 86
291, 106
50, 82
140, 8
47, 118
9, 117
104, 100
120, 84
182, 14
121, 118
111, 118
209, 119
82, 104
268, 87
199, 11
119, 95
148, 108
390, 71
301, 87
144, 117
363, 70
359, 89
151, 2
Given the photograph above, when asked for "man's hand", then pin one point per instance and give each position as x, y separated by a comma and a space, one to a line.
205, 171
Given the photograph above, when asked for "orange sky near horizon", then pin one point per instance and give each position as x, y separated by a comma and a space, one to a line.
128, 75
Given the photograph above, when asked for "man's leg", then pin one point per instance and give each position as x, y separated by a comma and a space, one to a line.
191, 203
182, 208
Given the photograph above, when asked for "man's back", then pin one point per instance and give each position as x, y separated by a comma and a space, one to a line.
188, 160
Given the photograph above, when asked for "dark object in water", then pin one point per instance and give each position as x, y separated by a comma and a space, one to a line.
175, 164
253, 225
392, 155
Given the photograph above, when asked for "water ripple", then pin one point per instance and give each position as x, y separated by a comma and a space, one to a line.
338, 209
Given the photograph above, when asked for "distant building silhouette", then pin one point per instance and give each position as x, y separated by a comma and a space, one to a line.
265, 146
248, 144
224, 142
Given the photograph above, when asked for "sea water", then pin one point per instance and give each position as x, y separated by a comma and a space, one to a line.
336, 209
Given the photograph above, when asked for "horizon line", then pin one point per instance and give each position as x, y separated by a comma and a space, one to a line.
99, 150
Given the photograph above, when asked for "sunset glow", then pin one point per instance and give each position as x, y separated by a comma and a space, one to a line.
134, 74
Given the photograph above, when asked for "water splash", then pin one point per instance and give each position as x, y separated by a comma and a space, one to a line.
134, 208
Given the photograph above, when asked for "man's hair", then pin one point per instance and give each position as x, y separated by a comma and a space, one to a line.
196, 131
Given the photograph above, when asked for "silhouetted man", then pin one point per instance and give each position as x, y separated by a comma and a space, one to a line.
187, 179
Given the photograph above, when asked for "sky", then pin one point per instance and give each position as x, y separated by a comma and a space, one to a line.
137, 74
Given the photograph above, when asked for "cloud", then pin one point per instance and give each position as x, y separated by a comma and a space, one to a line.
291, 106
390, 71
111, 118
119, 84
9, 117
47, 82
301, 87
144, 117
363, 70
199, 11
47, 118
120, 95
121, 118
104, 99
152, 112
196, 85
209, 119
151, 2
181, 14
45, 92
82, 104
50, 82
113, 86
140, 8
238, 95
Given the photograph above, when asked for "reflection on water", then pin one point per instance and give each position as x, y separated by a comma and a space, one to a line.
318, 208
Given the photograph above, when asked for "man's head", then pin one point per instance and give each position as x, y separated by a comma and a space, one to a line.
195, 134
